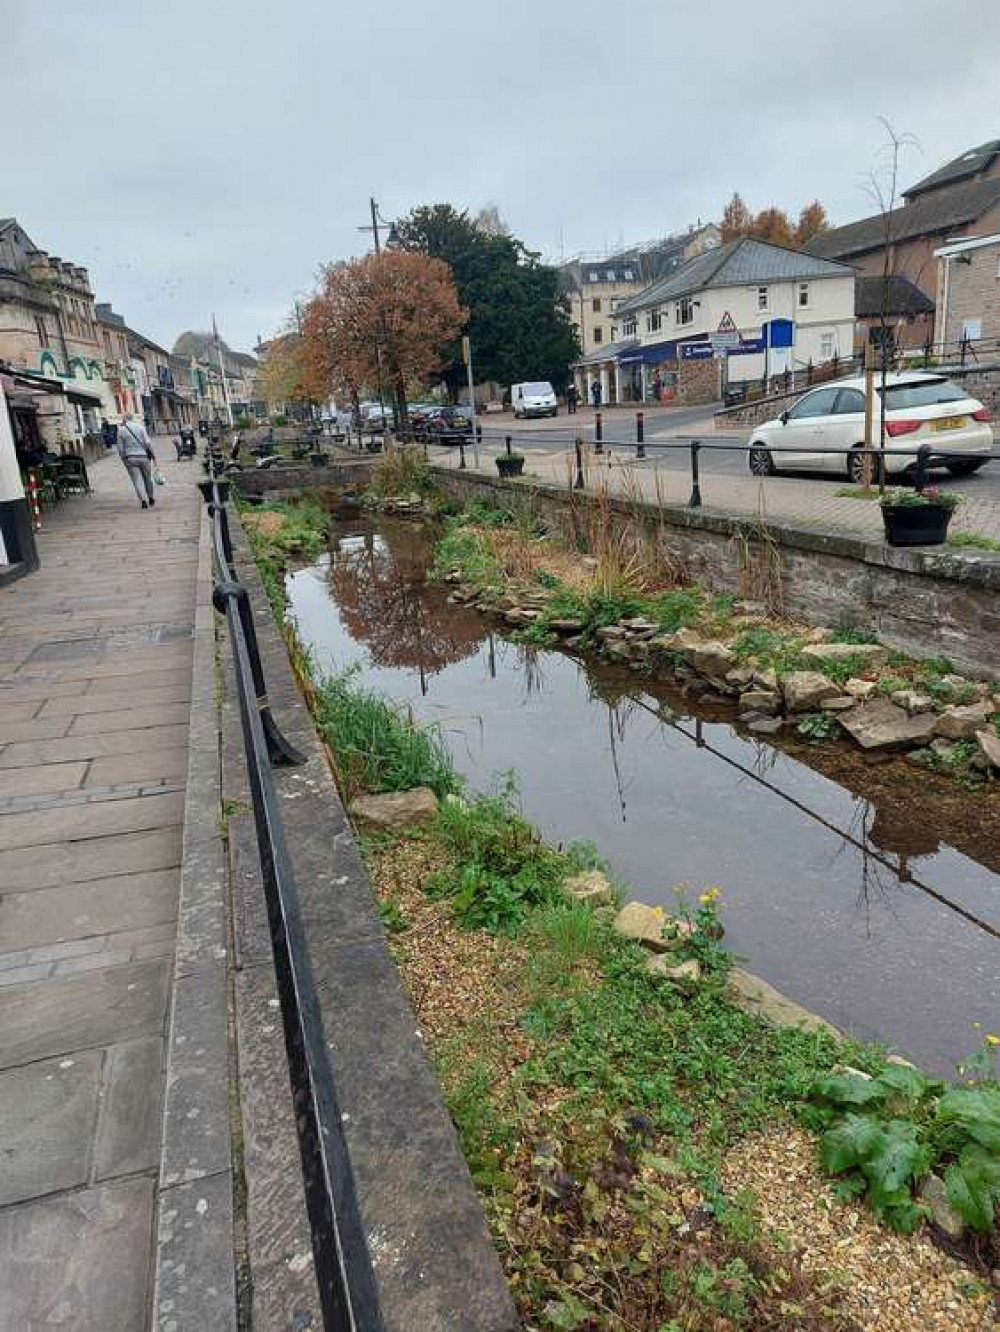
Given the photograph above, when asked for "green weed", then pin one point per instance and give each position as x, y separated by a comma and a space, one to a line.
975, 541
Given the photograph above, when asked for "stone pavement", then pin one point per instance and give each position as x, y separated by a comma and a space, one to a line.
809, 502
95, 682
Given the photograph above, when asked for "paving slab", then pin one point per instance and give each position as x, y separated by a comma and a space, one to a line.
39, 1020
78, 1260
150, 740
47, 1113
71, 823
128, 1130
137, 695
27, 868
126, 719
196, 1285
138, 767
50, 915
42, 780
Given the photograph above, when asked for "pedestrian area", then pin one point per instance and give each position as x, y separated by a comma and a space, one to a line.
95, 685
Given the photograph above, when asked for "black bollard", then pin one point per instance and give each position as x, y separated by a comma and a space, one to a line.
461, 455
921, 474
507, 443
640, 435
695, 501
578, 483
598, 432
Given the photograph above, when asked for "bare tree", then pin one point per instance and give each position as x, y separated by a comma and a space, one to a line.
883, 188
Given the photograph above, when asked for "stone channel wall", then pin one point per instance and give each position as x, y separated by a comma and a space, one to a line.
922, 602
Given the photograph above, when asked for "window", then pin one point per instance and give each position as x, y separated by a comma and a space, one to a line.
653, 321
610, 275
595, 305
803, 295
598, 334
762, 298
819, 403
922, 393
594, 277
628, 328
849, 402
827, 346
684, 311
43, 332
628, 275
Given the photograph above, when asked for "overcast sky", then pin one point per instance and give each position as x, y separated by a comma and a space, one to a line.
208, 155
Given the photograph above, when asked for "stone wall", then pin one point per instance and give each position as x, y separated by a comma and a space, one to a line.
698, 381
294, 478
929, 604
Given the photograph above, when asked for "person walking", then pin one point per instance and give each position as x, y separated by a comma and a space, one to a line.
595, 394
137, 454
571, 398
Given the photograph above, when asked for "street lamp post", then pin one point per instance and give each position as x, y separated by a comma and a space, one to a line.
376, 225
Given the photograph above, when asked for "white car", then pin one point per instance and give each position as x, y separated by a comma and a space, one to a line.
921, 407
535, 399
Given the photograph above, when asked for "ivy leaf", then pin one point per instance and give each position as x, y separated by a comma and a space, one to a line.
896, 1156
970, 1196
849, 1089
848, 1143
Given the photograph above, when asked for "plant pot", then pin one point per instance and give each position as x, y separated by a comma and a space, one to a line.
318, 459
509, 465
916, 524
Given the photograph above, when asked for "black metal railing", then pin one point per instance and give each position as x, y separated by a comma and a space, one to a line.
924, 456
344, 1274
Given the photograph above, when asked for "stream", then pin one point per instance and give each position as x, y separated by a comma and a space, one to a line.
868, 892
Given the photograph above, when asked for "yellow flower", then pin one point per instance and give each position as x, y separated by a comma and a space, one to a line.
658, 911
992, 1039
712, 895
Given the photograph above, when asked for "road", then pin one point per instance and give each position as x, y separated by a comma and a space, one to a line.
677, 426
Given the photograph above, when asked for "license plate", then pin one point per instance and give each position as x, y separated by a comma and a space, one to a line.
948, 423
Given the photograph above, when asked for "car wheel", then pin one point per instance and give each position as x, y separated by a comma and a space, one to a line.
964, 468
855, 467
761, 462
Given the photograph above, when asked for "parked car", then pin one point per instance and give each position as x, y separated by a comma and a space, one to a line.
534, 399
447, 425
921, 407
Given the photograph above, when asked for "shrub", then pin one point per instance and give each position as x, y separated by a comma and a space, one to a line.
376, 747
401, 472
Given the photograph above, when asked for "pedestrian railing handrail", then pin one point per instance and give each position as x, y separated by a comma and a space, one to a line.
345, 1279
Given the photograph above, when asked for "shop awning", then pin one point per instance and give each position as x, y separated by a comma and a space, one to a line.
655, 353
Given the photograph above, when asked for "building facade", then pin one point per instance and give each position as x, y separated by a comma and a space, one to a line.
968, 306
778, 309
598, 286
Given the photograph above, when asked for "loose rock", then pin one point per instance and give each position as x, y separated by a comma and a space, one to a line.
394, 810
861, 689
934, 1196
989, 744
962, 723
685, 975
804, 691
874, 655
646, 925
881, 725
592, 887
760, 700
756, 996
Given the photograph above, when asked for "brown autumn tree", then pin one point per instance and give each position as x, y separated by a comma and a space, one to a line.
283, 375
385, 317
736, 219
812, 220
773, 225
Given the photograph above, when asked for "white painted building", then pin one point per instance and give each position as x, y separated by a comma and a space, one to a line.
787, 308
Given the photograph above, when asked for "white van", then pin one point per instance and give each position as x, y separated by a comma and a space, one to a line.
537, 399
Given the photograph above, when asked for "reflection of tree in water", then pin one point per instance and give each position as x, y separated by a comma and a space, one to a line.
378, 580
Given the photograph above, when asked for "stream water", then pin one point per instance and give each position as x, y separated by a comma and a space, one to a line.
845, 888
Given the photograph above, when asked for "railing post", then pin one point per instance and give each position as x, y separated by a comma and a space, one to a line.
640, 435
695, 501
598, 432
461, 454
578, 483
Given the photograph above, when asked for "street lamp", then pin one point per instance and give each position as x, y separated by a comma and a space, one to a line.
377, 224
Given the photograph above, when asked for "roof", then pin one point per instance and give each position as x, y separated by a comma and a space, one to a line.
738, 263
929, 214
902, 297
969, 164
970, 243
608, 352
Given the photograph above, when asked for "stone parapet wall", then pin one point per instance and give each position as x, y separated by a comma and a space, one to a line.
919, 601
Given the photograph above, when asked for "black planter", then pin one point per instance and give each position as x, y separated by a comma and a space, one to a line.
508, 465
318, 459
916, 524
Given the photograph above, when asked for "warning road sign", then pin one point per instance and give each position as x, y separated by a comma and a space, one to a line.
727, 335
727, 324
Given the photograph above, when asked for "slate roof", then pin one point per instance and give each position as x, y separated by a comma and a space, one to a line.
608, 352
739, 263
969, 164
903, 297
930, 214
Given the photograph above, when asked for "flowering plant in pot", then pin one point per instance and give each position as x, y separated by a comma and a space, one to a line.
918, 517
510, 464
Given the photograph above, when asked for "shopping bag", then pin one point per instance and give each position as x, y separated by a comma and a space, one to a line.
158, 477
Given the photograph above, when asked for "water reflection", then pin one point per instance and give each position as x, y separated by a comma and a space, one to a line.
848, 894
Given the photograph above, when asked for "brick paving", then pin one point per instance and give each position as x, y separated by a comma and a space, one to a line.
812, 503
95, 682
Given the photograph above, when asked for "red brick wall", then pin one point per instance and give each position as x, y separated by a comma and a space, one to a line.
699, 381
